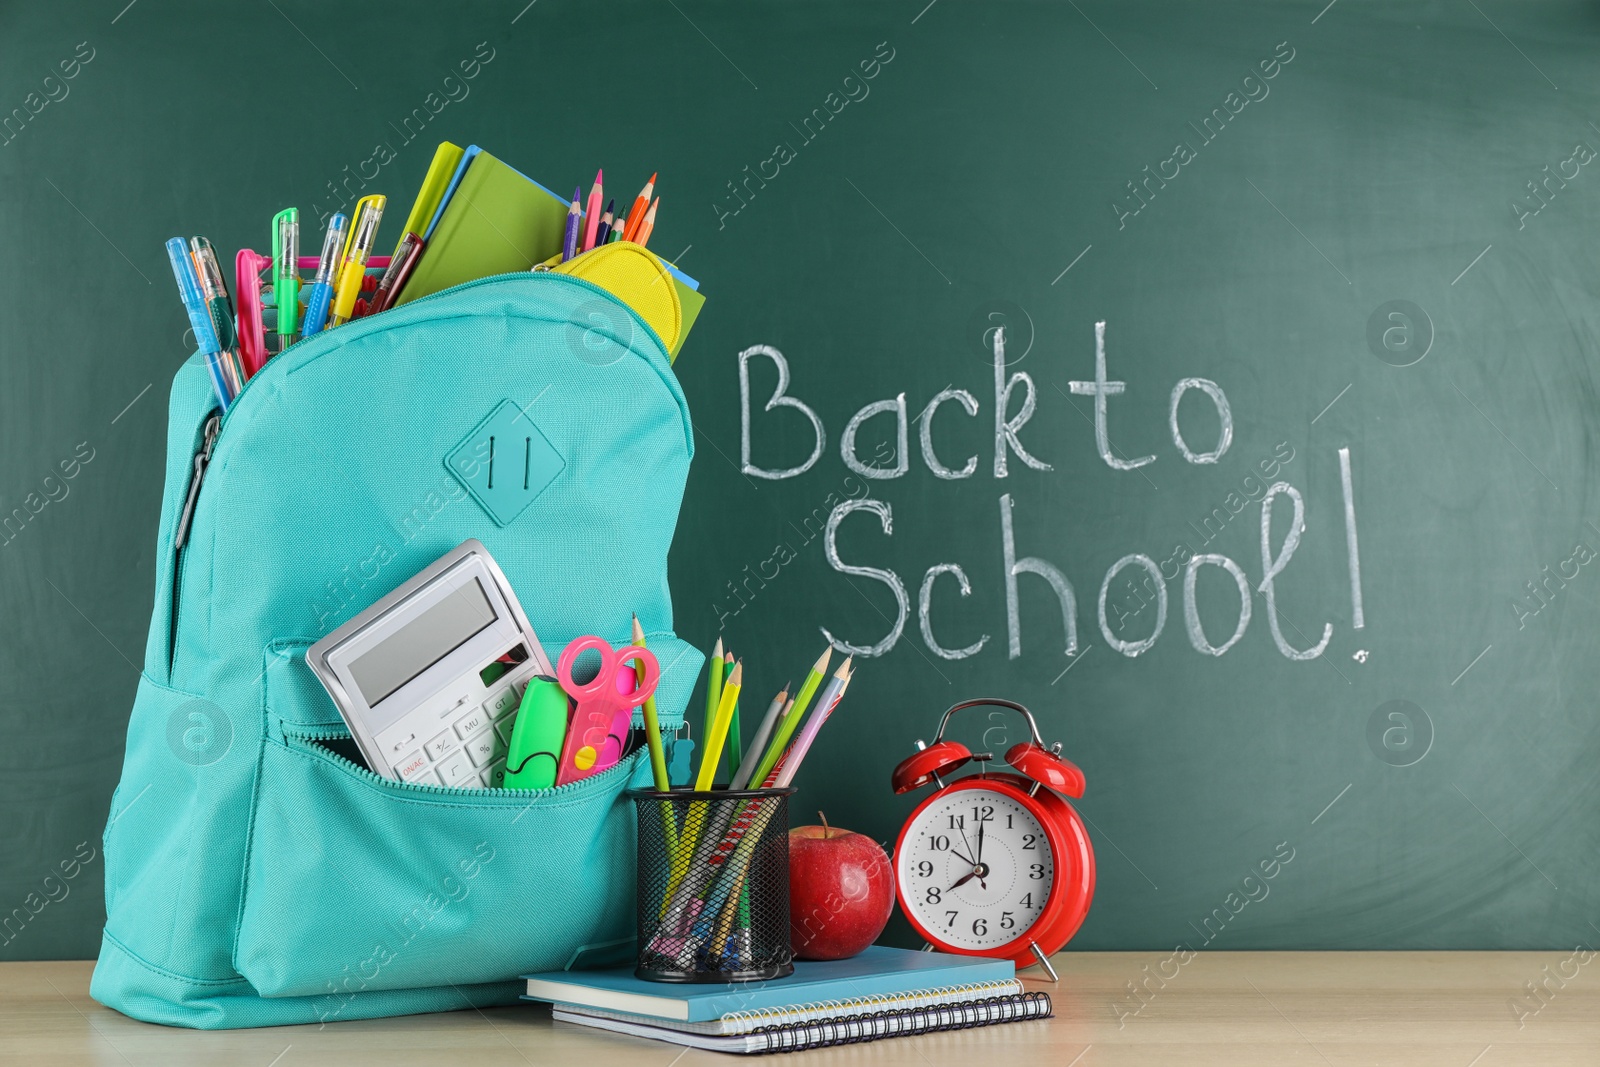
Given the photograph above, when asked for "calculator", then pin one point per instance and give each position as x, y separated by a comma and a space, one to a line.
430, 677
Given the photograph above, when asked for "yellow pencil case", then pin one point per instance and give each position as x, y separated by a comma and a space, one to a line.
637, 277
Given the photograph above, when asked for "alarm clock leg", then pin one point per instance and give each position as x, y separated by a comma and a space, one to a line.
1044, 961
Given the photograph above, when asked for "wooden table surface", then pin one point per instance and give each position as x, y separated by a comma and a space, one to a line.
1453, 1009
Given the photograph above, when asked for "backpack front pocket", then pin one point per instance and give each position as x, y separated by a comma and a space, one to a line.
357, 882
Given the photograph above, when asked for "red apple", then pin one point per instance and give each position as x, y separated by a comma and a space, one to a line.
841, 891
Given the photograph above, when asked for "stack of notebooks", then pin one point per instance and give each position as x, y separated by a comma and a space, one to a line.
884, 992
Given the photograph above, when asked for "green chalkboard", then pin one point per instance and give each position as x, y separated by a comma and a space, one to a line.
1350, 245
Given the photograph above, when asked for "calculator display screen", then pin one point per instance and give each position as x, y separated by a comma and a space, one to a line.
422, 642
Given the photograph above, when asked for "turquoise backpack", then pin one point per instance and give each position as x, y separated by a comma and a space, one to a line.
254, 875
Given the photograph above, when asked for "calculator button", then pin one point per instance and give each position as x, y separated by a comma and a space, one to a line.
503, 701
505, 727
411, 766
483, 748
442, 745
494, 777
457, 771
471, 723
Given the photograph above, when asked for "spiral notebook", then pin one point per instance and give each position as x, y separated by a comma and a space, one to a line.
834, 1030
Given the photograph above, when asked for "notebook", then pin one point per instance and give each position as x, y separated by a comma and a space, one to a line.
743, 1022
842, 1030
879, 971
495, 221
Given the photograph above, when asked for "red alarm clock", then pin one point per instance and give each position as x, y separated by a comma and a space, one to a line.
994, 864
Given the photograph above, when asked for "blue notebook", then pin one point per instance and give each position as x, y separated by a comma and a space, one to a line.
879, 971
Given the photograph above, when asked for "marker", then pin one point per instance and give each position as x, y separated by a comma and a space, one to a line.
214, 291
205, 334
791, 717
592, 224
357, 248
394, 278
322, 283
569, 244
636, 213
719, 730
758, 743
605, 225
286, 273
642, 237
536, 738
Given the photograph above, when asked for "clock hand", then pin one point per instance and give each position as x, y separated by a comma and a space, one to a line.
980, 842
964, 841
962, 858
964, 880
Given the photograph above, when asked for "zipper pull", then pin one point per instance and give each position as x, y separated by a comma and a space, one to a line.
202, 457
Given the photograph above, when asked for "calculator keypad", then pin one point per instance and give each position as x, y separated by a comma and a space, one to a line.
469, 749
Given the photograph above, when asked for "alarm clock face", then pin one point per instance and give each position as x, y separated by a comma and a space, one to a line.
975, 869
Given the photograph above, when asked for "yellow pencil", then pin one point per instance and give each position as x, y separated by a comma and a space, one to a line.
719, 729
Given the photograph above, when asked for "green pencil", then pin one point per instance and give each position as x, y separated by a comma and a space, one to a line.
791, 719
735, 745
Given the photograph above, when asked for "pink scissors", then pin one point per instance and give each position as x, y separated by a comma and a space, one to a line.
605, 704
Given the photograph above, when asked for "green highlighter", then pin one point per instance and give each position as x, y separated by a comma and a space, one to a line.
286, 273
540, 729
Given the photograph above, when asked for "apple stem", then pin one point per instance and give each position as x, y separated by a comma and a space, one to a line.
827, 831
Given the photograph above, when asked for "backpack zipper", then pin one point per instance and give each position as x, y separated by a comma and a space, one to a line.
217, 421
202, 460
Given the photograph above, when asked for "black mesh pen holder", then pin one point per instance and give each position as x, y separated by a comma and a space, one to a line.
713, 885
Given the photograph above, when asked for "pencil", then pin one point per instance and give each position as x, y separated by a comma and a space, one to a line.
636, 212
592, 223
605, 225
735, 751
713, 687
791, 719
719, 730
652, 727
642, 236
819, 718
758, 743
569, 244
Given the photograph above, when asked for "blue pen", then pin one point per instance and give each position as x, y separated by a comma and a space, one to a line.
322, 285
205, 334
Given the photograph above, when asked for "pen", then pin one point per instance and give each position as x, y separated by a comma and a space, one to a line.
214, 291
285, 273
400, 267
322, 283
205, 334
357, 248
640, 202
569, 244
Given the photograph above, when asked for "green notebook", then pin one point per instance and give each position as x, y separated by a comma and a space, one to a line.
496, 222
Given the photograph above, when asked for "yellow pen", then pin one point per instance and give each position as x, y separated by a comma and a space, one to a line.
369, 213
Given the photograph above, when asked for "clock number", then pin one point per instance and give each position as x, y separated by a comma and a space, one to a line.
925, 868
939, 842
958, 822
982, 813
1028, 840
1006, 921
1035, 870
979, 927
933, 894
1027, 900
1008, 820
951, 924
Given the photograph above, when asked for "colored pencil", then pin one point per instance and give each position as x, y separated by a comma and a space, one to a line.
605, 225
569, 244
652, 725
642, 237
735, 750
592, 222
719, 730
758, 743
616, 230
713, 687
819, 718
636, 213
791, 719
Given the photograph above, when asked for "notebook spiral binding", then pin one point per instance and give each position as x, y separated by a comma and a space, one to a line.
901, 1022
806, 1013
